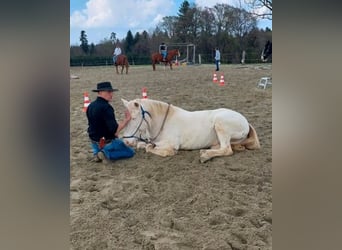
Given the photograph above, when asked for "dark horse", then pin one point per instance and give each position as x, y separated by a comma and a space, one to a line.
157, 57
121, 60
266, 52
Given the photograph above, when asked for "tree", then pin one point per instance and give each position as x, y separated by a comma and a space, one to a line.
168, 25
260, 8
129, 42
141, 48
136, 38
113, 37
243, 22
207, 19
92, 49
183, 22
84, 42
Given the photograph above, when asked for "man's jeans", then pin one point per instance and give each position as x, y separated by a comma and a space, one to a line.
114, 150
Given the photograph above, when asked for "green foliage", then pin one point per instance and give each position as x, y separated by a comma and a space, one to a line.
129, 42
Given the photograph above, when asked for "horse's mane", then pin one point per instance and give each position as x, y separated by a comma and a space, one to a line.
173, 51
155, 107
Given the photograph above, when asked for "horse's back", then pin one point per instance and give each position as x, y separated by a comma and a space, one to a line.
223, 114
198, 129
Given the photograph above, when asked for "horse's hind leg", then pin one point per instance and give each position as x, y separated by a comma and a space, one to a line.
225, 148
207, 154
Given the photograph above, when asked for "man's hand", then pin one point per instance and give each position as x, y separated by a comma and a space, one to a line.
123, 123
127, 116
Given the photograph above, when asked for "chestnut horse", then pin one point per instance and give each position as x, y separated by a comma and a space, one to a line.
157, 57
121, 60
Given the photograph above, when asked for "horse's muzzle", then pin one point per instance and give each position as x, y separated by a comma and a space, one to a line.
130, 142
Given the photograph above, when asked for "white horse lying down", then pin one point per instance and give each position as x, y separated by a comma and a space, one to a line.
163, 129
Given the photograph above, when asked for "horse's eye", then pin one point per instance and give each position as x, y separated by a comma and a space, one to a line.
136, 104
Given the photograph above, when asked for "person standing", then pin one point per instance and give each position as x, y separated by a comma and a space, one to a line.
116, 53
103, 129
217, 59
163, 50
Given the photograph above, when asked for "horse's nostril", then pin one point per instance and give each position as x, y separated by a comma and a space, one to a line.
128, 143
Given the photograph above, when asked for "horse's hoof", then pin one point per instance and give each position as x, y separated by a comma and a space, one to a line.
204, 159
204, 156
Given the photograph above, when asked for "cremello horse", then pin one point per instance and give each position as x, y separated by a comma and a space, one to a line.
163, 129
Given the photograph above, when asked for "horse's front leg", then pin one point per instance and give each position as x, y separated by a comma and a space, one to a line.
122, 68
117, 70
163, 151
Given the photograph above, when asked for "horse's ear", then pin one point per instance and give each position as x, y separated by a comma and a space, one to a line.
125, 102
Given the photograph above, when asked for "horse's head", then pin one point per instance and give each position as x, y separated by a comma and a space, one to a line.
174, 52
178, 53
267, 51
138, 126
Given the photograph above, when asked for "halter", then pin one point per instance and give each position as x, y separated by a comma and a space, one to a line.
143, 112
147, 140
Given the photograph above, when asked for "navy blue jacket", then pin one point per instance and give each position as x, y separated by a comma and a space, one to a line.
101, 120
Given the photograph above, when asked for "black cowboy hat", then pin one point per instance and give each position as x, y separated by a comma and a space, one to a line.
104, 86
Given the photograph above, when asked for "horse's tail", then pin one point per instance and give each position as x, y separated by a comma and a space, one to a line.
252, 141
122, 60
126, 61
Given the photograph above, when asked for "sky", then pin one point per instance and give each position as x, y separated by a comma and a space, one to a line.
99, 18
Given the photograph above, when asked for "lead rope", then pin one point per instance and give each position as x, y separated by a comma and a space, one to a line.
162, 126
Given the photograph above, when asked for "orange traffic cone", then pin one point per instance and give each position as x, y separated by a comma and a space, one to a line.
215, 78
86, 101
144, 93
222, 80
